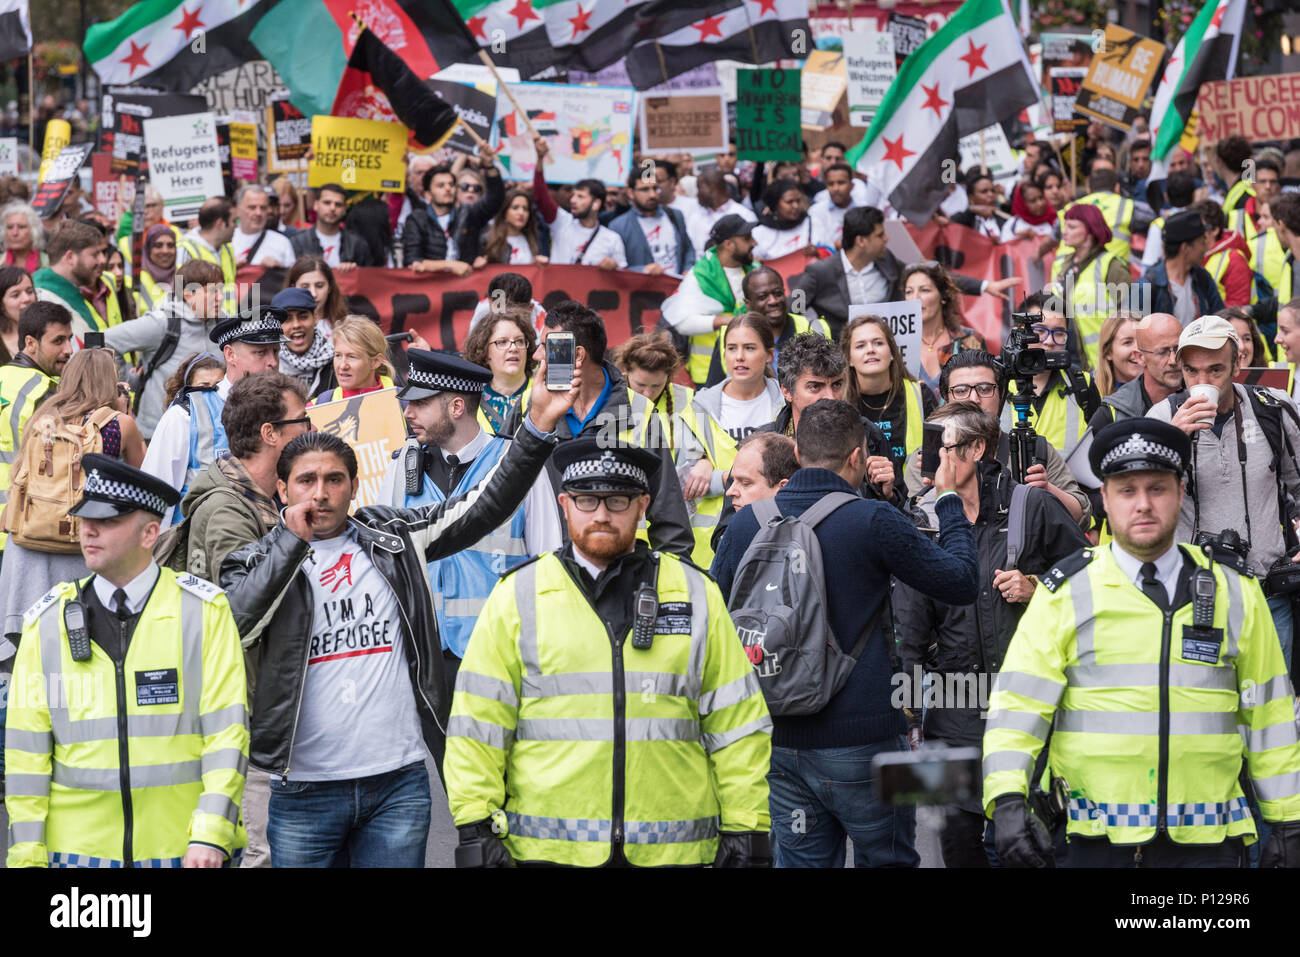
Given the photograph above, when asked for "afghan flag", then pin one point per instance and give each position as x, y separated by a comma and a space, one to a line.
753, 31
972, 73
377, 81
309, 42
175, 44
1207, 52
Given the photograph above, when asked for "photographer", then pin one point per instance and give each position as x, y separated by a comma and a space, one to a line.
1244, 475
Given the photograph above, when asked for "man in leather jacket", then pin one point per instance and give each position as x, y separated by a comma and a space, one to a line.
334, 608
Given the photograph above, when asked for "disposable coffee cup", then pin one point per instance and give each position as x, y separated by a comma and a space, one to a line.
1210, 392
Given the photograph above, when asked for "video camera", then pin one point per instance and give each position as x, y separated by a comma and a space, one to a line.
1020, 363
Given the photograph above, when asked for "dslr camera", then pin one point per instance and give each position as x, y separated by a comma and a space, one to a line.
1227, 548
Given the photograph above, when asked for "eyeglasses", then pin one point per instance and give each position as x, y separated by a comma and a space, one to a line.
470, 188
615, 503
1158, 354
1048, 334
955, 446
505, 344
983, 389
302, 420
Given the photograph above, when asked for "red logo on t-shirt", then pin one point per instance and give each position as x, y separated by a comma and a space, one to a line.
337, 574
327, 252
653, 234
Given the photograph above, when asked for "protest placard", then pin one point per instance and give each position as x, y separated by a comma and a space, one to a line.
1122, 71
475, 104
243, 150
1256, 107
112, 197
904, 318
821, 87
357, 154
1066, 82
288, 136
184, 162
589, 130
767, 115
130, 110
908, 33
58, 177
871, 68
694, 122
994, 153
8, 155
373, 425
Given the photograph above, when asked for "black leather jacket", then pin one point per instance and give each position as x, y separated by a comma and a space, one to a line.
272, 598
422, 238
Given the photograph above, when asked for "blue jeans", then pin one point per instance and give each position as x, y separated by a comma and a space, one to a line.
1284, 622
379, 821
820, 795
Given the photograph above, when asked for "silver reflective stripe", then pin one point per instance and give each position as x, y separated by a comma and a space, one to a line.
35, 742
1017, 761
559, 828
716, 742
1081, 595
1123, 220
20, 402
663, 729
670, 832
584, 682
1278, 787
142, 776
1236, 614
656, 683
24, 832
699, 630
214, 722
565, 729
220, 805
191, 661
733, 692
483, 686
526, 602
703, 520
464, 607
484, 732
1258, 695
27, 785
1147, 675
1279, 735
7, 458
52, 664
1004, 719
1029, 686
1145, 722
224, 759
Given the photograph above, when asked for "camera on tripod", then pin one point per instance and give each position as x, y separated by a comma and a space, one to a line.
1020, 363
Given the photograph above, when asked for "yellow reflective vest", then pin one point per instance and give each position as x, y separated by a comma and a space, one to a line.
585, 742
175, 706
1092, 296
1149, 724
22, 387
1234, 206
225, 259
1268, 256
335, 394
1118, 211
1060, 421
488, 426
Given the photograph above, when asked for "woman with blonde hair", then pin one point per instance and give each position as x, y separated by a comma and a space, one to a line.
1121, 359
504, 346
292, 209
882, 388
942, 331
88, 394
360, 360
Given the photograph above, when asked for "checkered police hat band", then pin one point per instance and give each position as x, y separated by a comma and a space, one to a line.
1138, 447
98, 486
606, 467
266, 324
442, 382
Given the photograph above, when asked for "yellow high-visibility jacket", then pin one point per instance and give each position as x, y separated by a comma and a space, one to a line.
585, 743
1149, 724
22, 387
175, 706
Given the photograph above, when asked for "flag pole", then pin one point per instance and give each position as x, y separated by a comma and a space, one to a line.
31, 105
523, 114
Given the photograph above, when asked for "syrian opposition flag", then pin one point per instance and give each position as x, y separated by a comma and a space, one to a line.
513, 32
1207, 52
377, 84
174, 44
309, 43
15, 29
589, 35
972, 73
754, 31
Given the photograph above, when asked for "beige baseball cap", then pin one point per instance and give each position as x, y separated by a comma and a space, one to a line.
1208, 332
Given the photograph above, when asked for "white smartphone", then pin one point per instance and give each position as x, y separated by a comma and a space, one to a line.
561, 356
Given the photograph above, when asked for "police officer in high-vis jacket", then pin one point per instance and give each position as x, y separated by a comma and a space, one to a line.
606, 655
127, 737
1156, 668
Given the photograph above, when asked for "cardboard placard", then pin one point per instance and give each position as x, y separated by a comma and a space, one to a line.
184, 162
589, 130
767, 115
58, 177
997, 155
243, 150
693, 122
288, 136
1066, 82
373, 425
904, 319
357, 154
1122, 71
871, 68
475, 104
821, 86
112, 198
1256, 107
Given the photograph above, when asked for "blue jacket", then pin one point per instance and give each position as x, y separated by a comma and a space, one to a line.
1204, 288
638, 250
870, 541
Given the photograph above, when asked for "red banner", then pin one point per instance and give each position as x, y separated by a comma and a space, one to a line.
439, 305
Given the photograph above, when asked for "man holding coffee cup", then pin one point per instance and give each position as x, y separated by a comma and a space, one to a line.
1244, 474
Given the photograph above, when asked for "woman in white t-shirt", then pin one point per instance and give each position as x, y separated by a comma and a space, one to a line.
512, 237
785, 226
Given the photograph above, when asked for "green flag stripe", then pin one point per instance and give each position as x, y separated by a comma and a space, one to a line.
470, 8
1173, 122
104, 38
311, 71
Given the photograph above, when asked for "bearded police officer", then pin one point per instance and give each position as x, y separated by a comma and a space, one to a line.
1155, 662
606, 654
127, 738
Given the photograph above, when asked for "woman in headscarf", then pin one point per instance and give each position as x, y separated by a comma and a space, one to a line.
785, 226
1031, 213
1082, 279
158, 271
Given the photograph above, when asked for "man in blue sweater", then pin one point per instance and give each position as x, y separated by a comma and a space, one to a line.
821, 779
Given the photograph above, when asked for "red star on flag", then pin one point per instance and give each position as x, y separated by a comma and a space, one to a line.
896, 152
765, 7
974, 57
475, 25
709, 27
136, 57
933, 101
523, 12
582, 21
1216, 21
190, 22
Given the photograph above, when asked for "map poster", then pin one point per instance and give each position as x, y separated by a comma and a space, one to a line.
589, 130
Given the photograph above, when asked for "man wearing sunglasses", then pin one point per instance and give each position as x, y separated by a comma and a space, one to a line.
605, 654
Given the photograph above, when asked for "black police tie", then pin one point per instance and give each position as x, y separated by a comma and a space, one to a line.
120, 607
1151, 586
454, 472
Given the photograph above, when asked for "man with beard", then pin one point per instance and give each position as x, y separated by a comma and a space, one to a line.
712, 201
577, 237
763, 290
74, 277
342, 249
653, 233
542, 692
707, 297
